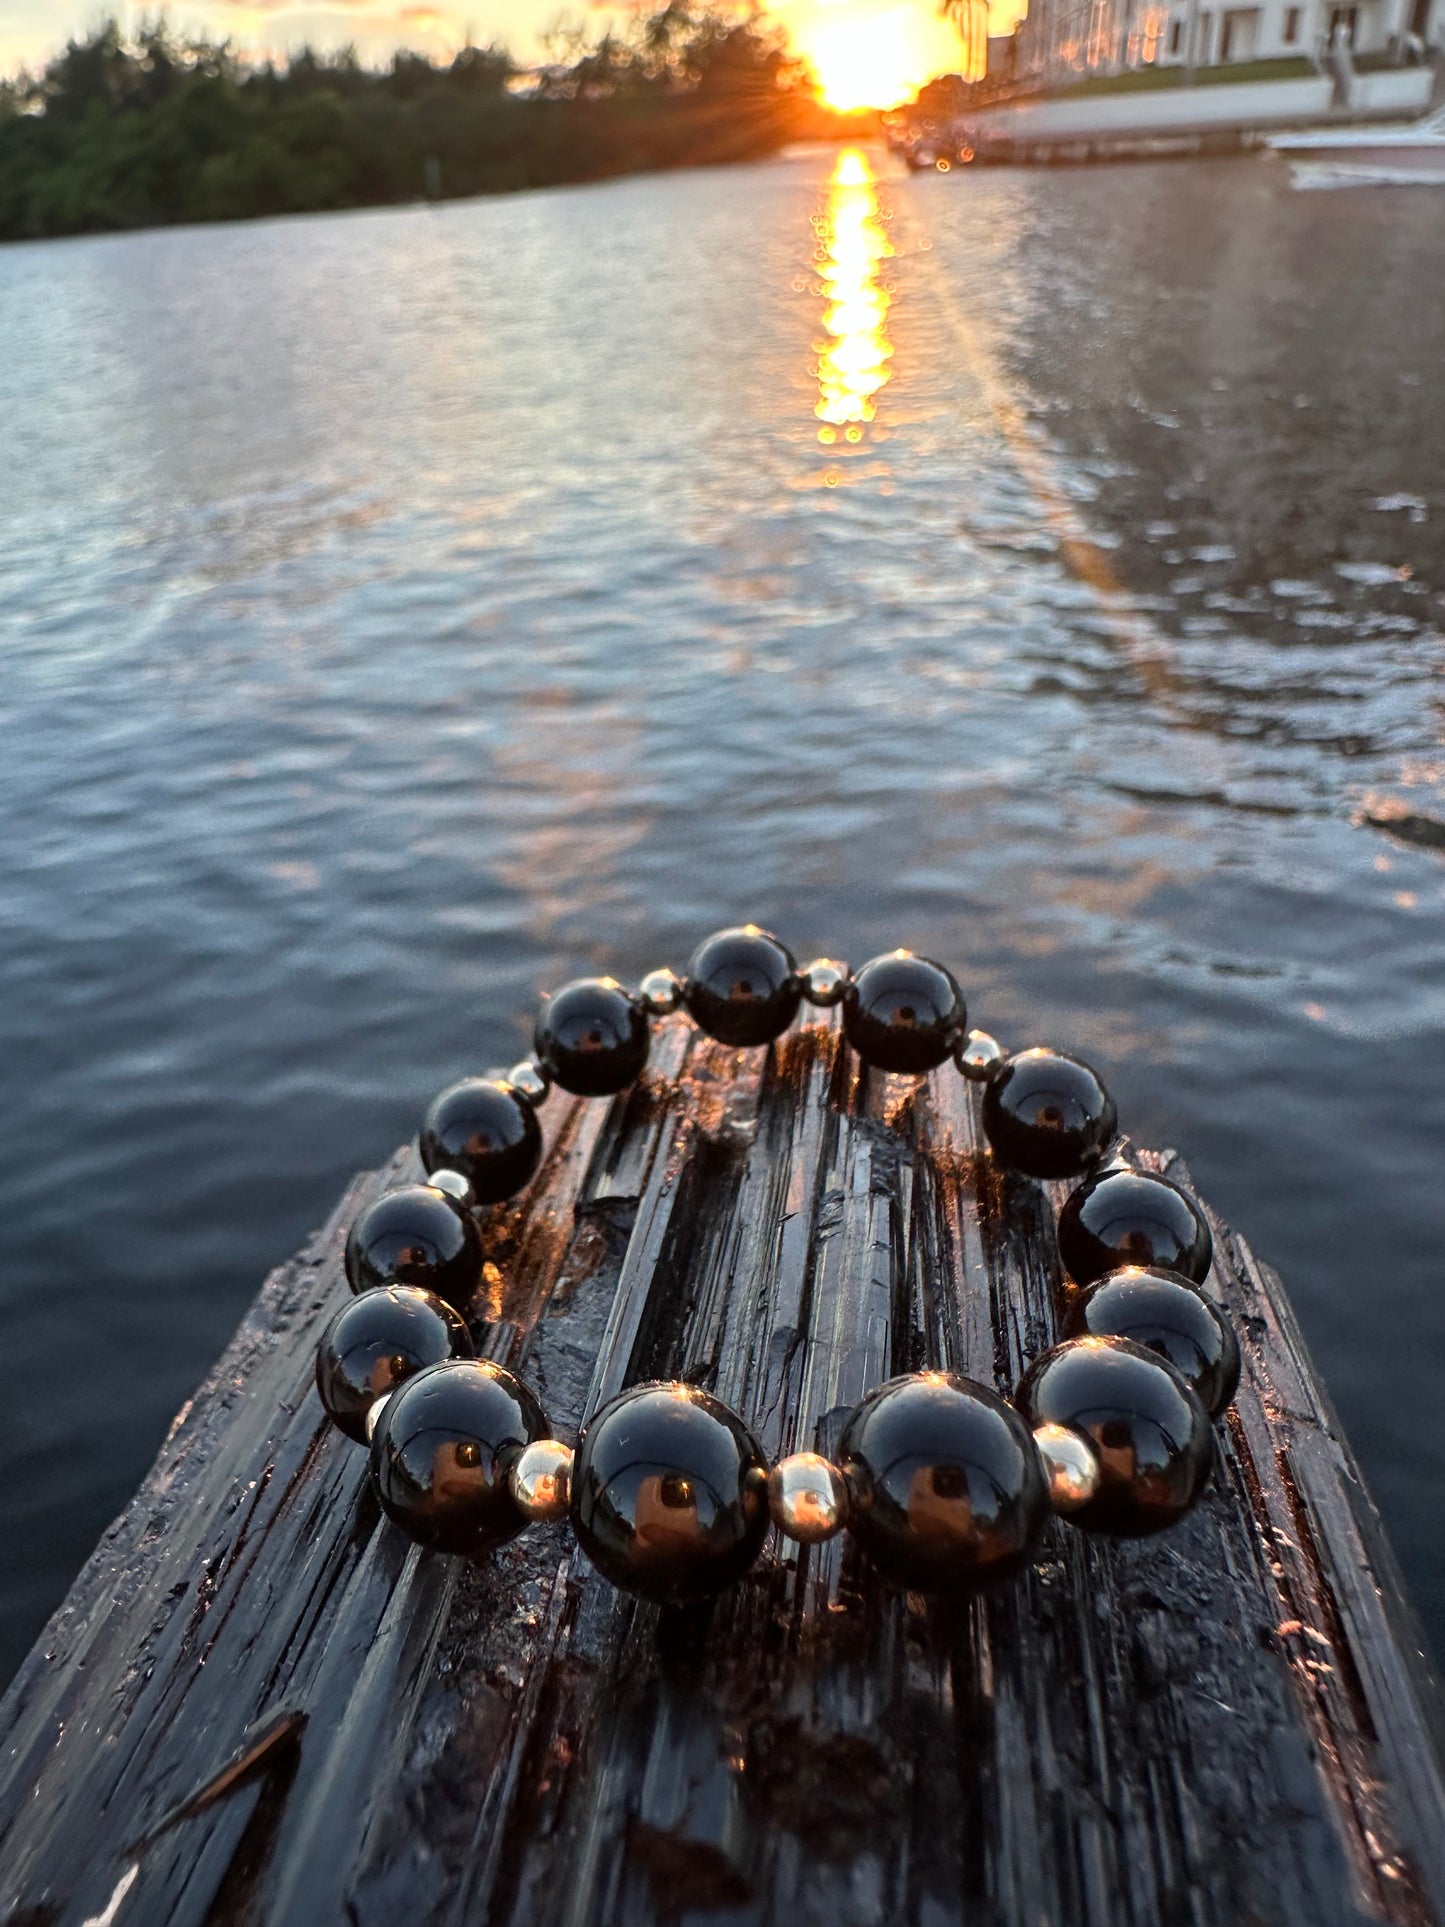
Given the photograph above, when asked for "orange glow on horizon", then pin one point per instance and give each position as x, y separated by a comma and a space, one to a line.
863, 53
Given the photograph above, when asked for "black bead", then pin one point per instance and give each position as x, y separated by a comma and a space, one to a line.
743, 987
376, 1342
948, 1489
485, 1130
1151, 1433
1048, 1115
1164, 1315
591, 1038
1130, 1218
442, 1451
903, 1013
416, 1236
669, 1493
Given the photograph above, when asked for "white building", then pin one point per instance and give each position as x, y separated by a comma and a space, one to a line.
1059, 40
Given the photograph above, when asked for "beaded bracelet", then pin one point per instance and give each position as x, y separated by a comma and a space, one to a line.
944, 1485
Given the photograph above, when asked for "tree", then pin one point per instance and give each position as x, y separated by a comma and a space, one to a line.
125, 132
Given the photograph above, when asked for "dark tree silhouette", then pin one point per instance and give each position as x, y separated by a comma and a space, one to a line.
121, 132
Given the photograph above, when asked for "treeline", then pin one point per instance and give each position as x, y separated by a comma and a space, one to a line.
124, 132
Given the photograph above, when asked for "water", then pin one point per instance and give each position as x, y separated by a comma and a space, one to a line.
403, 611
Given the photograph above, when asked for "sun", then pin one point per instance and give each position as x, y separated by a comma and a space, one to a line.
866, 55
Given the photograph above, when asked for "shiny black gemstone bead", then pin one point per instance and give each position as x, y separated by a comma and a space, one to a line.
376, 1342
1130, 1218
443, 1448
1164, 1315
415, 1236
485, 1130
591, 1038
948, 1490
669, 1493
1048, 1115
903, 1013
1151, 1433
743, 987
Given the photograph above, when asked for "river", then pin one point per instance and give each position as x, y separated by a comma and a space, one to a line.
403, 611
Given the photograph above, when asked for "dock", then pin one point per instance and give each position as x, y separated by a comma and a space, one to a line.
1077, 125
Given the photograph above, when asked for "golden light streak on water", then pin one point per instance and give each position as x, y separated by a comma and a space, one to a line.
853, 245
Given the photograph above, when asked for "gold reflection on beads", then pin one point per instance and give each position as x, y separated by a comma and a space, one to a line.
451, 1184
852, 246
661, 992
1071, 1464
979, 1056
541, 1480
530, 1079
808, 1498
825, 982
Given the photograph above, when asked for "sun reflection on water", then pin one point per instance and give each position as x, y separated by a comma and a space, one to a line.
853, 244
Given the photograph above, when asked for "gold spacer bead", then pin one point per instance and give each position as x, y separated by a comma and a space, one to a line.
808, 1498
660, 992
453, 1184
373, 1415
541, 1479
530, 1079
979, 1056
824, 982
1071, 1466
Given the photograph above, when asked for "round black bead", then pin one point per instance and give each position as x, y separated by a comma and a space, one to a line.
743, 987
1151, 1433
377, 1341
591, 1038
903, 1013
1048, 1115
1164, 1315
485, 1130
669, 1493
416, 1236
948, 1489
1130, 1218
442, 1451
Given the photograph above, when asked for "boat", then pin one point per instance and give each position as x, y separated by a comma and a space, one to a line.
1406, 153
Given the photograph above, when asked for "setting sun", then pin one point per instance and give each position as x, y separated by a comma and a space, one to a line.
870, 53
881, 52
868, 61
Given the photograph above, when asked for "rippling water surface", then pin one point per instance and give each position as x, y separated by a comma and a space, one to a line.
400, 612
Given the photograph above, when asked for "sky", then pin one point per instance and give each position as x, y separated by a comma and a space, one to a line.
878, 47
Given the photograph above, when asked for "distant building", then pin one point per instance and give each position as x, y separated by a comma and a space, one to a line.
1062, 40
